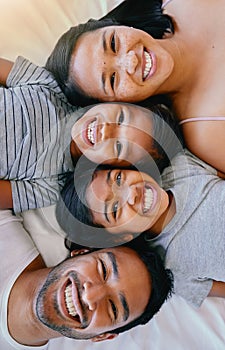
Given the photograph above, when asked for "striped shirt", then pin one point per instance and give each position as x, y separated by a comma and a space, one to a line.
36, 120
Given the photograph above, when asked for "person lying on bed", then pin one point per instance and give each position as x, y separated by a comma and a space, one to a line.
148, 48
183, 218
35, 136
91, 295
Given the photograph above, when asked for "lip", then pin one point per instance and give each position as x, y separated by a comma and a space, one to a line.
147, 185
154, 64
85, 133
75, 301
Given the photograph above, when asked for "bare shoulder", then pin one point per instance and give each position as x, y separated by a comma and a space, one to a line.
206, 139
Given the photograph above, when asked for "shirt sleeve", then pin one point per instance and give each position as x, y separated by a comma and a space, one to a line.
193, 290
25, 72
36, 193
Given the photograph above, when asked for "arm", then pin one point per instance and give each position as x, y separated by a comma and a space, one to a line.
5, 68
218, 290
6, 201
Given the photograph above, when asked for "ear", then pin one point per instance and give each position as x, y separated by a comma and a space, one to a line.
104, 336
126, 237
79, 252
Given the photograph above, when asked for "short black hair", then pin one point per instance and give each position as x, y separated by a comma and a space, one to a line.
162, 285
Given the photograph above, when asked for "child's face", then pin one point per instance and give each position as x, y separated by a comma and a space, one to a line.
125, 201
114, 133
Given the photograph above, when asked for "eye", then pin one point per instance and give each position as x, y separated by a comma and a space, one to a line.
113, 44
103, 269
118, 148
114, 209
112, 80
121, 118
114, 309
118, 178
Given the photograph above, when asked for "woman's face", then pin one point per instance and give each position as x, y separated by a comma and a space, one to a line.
125, 201
119, 63
114, 132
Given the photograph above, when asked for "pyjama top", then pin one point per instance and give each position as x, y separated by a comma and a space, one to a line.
36, 119
193, 243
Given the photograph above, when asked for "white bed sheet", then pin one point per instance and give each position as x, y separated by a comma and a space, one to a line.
31, 28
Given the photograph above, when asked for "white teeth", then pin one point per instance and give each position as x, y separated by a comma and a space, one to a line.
148, 199
69, 302
148, 64
90, 132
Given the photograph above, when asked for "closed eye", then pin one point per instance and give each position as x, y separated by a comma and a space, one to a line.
104, 270
114, 309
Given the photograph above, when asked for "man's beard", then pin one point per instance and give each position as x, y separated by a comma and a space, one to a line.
42, 311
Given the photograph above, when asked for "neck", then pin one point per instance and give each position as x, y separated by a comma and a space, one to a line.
165, 218
23, 323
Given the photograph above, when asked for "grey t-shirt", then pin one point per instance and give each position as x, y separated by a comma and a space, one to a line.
193, 243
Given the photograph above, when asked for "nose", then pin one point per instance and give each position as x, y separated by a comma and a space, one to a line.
128, 62
93, 294
132, 195
107, 131
128, 193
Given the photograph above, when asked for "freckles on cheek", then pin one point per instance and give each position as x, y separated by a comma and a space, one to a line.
128, 92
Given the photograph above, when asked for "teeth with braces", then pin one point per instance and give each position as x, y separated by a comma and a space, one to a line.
148, 199
90, 132
69, 302
148, 64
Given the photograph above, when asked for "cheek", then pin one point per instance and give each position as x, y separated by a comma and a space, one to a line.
104, 152
130, 91
127, 90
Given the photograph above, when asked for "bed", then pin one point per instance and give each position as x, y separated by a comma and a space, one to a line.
31, 28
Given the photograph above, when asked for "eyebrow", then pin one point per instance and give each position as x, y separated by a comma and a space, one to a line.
104, 50
123, 300
106, 206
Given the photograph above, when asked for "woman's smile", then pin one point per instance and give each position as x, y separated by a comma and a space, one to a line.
149, 64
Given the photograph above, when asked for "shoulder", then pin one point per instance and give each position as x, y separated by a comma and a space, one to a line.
206, 139
185, 166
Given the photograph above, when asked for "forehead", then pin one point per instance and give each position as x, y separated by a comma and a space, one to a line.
88, 48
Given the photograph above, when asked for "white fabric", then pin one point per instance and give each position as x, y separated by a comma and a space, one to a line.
17, 251
177, 326
31, 28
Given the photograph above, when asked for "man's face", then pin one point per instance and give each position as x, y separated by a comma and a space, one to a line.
94, 293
